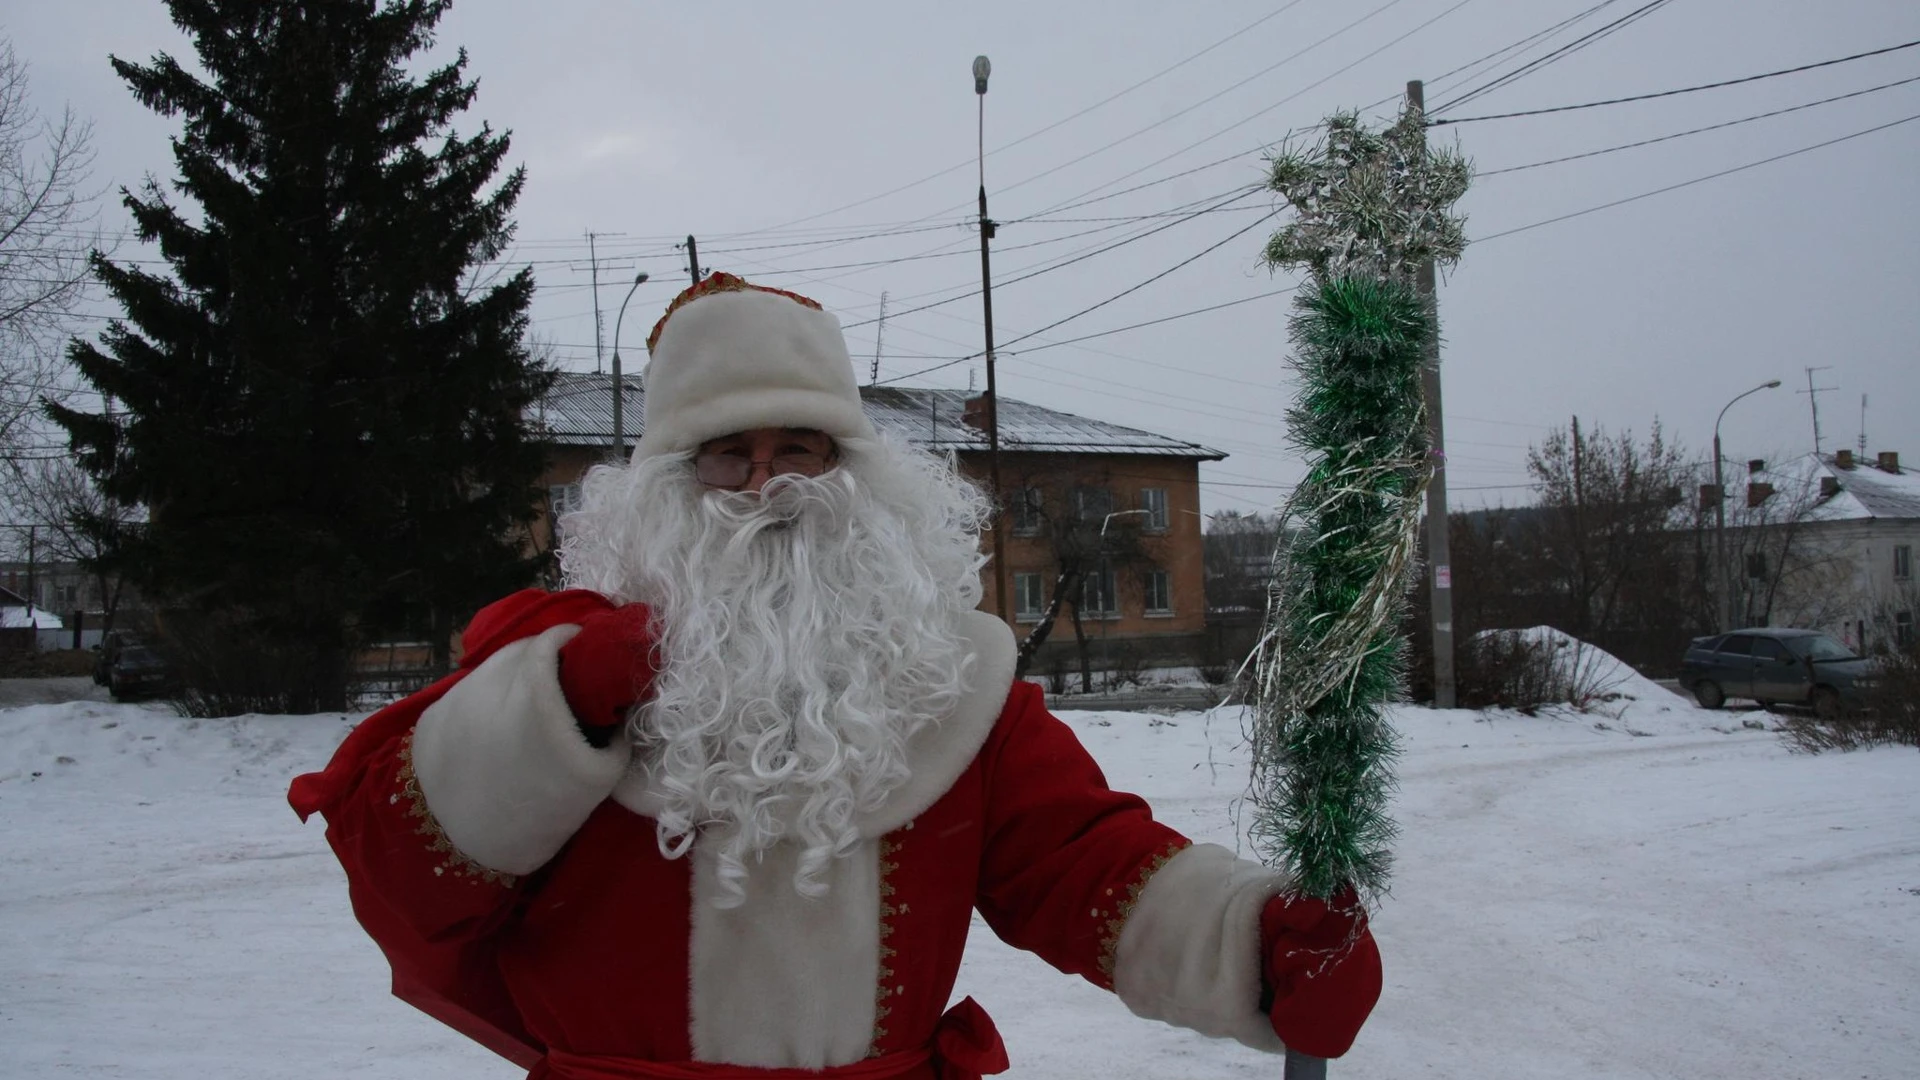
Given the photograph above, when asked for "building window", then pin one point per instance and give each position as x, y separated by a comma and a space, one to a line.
1902, 562
1092, 504
1156, 592
1757, 565
563, 498
1154, 502
1903, 629
1098, 597
1029, 597
1027, 515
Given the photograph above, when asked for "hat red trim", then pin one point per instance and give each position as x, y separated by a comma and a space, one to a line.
720, 282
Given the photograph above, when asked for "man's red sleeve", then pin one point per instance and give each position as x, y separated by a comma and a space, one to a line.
1064, 855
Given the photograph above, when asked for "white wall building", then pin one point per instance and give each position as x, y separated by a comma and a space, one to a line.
1827, 542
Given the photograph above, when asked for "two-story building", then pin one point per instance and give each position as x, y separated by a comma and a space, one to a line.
1119, 505
1827, 542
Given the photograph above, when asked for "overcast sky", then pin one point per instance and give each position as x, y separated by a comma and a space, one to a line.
784, 135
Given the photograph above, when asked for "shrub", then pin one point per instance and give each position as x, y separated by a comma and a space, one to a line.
1888, 714
1526, 670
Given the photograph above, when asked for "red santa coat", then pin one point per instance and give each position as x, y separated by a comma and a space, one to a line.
510, 872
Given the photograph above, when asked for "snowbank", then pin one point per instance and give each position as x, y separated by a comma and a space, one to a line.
1569, 900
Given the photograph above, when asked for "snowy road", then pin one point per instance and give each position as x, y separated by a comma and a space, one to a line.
1569, 902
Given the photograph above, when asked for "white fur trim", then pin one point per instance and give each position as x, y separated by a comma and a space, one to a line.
940, 752
781, 980
1190, 951
936, 756
734, 361
501, 763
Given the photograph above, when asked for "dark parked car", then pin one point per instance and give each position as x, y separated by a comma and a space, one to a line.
109, 651
136, 672
1769, 665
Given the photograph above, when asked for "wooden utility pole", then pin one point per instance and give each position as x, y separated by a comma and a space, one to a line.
1580, 579
1439, 562
693, 260
593, 263
879, 335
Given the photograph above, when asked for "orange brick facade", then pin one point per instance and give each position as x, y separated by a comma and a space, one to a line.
1139, 549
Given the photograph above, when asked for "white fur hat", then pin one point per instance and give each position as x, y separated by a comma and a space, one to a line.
730, 356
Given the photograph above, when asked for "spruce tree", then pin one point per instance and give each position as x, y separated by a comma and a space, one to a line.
321, 399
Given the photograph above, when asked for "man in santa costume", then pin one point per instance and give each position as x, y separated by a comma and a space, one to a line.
726, 807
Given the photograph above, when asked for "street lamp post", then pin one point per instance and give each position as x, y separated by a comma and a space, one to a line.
619, 386
1108, 520
982, 67
1720, 513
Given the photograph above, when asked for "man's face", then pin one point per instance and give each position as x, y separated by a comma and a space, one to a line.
746, 460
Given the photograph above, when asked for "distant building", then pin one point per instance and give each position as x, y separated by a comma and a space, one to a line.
1148, 596
1827, 542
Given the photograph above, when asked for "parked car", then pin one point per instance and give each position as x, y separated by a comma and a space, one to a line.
109, 651
136, 672
1772, 665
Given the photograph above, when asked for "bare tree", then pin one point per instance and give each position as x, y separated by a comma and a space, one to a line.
1778, 570
1608, 541
73, 522
1239, 554
48, 230
1073, 513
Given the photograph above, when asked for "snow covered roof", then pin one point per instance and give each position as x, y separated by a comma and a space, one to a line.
1865, 491
579, 411
15, 617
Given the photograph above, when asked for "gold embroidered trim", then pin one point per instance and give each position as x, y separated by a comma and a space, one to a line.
719, 282
1115, 920
882, 991
456, 862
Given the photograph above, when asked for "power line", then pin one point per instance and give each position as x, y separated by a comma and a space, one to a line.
1237, 234
1536, 65
1493, 236
1680, 90
1136, 288
1243, 121
1522, 44
1696, 131
1034, 134
1118, 222
1231, 198
1698, 179
1211, 97
1162, 319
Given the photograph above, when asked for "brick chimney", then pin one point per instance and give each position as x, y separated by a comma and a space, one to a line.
1843, 459
1709, 495
1829, 486
975, 415
1757, 493
1890, 462
1757, 465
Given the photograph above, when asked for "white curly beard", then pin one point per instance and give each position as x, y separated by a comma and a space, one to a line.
806, 634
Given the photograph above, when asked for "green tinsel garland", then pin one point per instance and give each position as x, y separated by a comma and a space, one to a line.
1331, 657
1372, 208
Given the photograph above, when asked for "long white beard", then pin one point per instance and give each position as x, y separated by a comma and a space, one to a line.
807, 633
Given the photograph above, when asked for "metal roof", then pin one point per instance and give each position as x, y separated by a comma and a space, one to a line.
579, 411
1866, 492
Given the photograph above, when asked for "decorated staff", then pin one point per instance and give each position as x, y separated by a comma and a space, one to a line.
1372, 208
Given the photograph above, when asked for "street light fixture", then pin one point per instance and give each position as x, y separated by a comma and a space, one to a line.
619, 386
1720, 512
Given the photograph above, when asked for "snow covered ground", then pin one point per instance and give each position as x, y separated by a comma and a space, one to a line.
1654, 892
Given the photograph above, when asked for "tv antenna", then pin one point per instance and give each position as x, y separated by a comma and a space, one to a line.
1813, 399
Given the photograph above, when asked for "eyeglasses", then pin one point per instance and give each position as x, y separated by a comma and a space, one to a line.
732, 470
